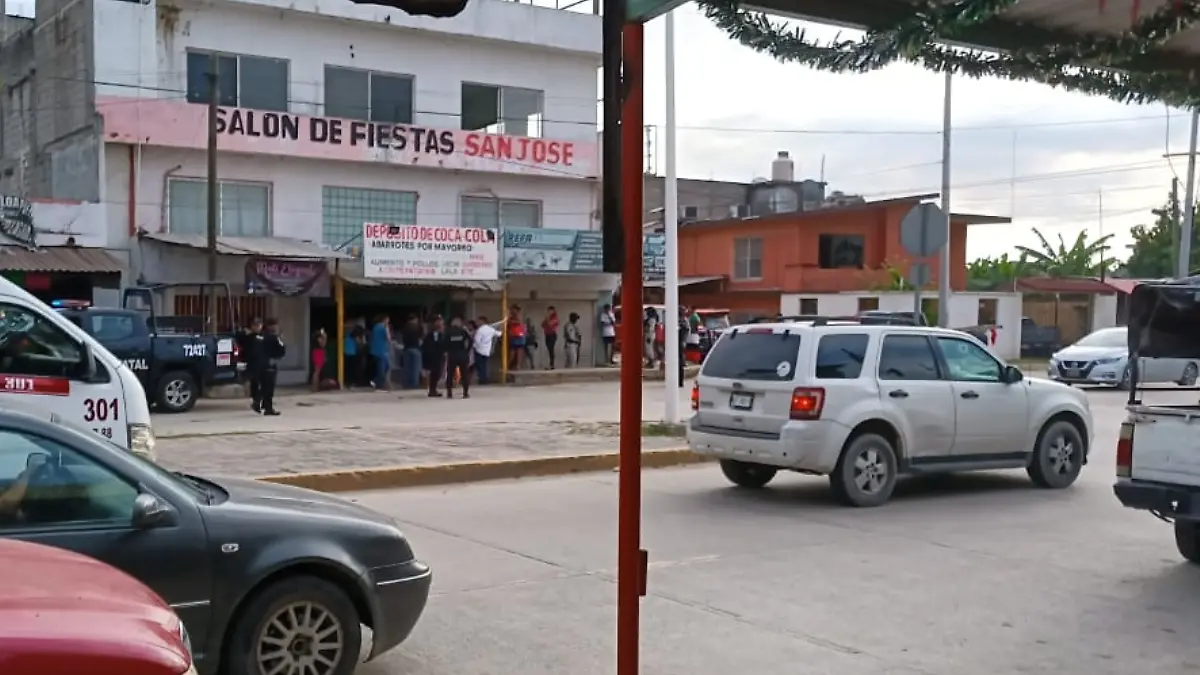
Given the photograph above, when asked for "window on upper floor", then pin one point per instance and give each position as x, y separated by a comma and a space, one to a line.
837, 251
502, 213
502, 110
242, 81
244, 209
345, 209
747, 258
365, 95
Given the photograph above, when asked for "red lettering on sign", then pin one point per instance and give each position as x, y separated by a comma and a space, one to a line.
47, 386
519, 149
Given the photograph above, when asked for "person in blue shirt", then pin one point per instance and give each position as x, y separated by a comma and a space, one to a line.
381, 351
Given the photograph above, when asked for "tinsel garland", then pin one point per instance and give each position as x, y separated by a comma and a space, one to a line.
1089, 64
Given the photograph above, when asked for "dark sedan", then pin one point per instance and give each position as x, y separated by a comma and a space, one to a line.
268, 579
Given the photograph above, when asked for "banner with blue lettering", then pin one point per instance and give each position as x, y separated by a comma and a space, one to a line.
530, 250
654, 257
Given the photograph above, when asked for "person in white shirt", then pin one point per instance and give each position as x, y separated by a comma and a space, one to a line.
485, 340
608, 333
574, 339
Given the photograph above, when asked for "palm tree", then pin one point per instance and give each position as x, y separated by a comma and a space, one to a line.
1078, 260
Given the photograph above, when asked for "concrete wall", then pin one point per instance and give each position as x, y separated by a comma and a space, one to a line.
712, 199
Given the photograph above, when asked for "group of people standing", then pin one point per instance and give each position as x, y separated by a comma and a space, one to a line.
260, 348
523, 339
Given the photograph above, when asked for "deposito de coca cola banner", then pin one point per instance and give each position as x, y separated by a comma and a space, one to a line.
430, 252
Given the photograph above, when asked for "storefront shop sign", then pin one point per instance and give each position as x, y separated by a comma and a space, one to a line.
283, 277
654, 257
16, 221
172, 123
542, 251
430, 252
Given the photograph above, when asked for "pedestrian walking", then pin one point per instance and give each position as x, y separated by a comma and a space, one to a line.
433, 352
273, 351
317, 360
381, 353
550, 332
458, 345
531, 343
685, 331
516, 337
573, 338
608, 333
485, 342
410, 353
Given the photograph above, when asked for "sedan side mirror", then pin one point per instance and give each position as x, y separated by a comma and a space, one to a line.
1012, 374
150, 512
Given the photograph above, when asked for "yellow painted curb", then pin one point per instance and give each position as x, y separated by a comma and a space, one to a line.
387, 478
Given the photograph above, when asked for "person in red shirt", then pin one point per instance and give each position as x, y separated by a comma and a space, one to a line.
516, 337
550, 330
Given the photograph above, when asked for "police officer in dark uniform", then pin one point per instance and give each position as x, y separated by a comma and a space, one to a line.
458, 344
273, 350
252, 351
433, 354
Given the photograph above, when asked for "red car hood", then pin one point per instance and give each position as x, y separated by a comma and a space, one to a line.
55, 605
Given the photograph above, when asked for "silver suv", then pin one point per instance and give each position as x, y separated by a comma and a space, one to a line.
864, 404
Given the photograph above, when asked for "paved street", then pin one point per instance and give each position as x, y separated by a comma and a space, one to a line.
979, 574
326, 432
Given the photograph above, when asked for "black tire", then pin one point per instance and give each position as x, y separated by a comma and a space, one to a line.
176, 392
268, 610
881, 469
746, 474
1057, 456
1187, 540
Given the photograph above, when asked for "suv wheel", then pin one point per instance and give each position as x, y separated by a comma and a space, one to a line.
1057, 457
746, 474
1187, 540
177, 392
865, 474
297, 625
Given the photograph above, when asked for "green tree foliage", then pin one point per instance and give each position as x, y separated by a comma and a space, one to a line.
1082, 258
987, 273
1154, 250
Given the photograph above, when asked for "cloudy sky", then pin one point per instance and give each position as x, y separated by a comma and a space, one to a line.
1056, 161
1052, 160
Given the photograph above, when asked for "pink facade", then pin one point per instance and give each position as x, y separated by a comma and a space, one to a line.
175, 124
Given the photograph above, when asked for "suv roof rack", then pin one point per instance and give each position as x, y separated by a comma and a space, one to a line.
823, 320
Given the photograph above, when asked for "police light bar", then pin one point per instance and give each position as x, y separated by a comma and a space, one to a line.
70, 304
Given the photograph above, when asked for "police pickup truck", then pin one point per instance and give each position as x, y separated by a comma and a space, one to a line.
175, 369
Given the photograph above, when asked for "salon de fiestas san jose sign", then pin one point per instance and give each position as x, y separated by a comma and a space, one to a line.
172, 123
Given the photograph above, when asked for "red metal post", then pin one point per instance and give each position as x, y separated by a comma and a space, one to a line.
630, 570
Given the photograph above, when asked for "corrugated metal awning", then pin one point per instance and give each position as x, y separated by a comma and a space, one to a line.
268, 247
59, 259
352, 273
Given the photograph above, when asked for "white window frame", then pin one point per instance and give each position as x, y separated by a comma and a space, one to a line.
220, 185
500, 204
742, 264
287, 106
412, 80
498, 128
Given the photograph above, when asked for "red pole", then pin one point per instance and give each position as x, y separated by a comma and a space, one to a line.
630, 570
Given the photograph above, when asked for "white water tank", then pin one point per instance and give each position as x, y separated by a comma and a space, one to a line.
783, 169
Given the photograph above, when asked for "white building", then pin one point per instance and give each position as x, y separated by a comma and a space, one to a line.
332, 115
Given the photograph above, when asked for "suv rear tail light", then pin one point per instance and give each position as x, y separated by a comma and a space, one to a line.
807, 403
695, 396
1125, 451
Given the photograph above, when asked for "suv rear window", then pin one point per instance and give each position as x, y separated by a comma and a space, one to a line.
840, 357
745, 355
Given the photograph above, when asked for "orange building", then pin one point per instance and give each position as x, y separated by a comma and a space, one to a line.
745, 264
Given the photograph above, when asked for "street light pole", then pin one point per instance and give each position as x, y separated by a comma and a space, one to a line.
943, 313
1183, 267
671, 227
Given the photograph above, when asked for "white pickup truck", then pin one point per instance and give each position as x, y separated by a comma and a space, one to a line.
1158, 451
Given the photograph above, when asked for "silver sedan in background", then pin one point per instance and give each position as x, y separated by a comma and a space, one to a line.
1103, 358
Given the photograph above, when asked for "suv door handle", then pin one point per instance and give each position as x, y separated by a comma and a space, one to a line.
969, 394
898, 393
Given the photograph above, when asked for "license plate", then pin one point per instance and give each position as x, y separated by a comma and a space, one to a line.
741, 401
1073, 372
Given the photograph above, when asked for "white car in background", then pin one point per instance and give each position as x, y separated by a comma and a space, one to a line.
1103, 358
